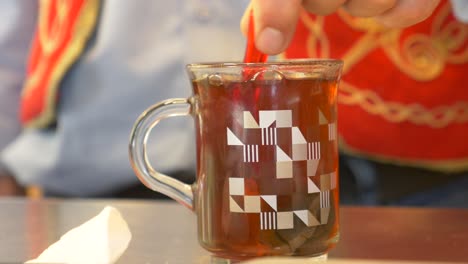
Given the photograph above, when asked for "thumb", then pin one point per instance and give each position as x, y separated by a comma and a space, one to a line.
275, 23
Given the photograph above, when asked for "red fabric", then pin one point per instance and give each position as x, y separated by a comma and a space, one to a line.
406, 140
43, 63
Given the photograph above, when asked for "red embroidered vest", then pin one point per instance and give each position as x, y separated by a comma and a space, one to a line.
404, 93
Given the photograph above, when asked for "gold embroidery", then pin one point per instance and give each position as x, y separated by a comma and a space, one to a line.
451, 37
317, 40
395, 112
366, 44
418, 57
50, 36
421, 57
368, 25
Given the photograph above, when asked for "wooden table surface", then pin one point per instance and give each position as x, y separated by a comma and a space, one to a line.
165, 232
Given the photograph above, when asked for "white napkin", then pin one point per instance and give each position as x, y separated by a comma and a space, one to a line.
100, 240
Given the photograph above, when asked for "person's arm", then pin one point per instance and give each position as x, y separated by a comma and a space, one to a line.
16, 29
275, 20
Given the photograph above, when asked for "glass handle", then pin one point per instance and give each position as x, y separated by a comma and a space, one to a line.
151, 178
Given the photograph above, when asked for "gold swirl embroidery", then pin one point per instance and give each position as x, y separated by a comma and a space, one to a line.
418, 57
317, 40
421, 57
451, 37
364, 45
52, 35
367, 25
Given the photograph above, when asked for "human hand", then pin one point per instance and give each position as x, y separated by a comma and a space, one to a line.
275, 20
9, 186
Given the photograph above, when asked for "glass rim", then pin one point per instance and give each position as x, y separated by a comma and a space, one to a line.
289, 62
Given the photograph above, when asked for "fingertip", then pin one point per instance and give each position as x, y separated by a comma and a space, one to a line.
275, 23
271, 41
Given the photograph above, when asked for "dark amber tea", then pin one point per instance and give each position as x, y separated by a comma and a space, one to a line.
268, 165
267, 157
